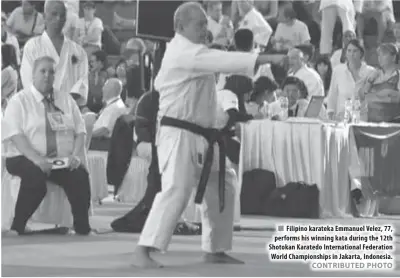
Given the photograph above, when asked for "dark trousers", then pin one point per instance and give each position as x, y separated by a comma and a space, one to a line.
33, 189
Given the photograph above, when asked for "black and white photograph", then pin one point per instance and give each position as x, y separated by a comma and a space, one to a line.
235, 138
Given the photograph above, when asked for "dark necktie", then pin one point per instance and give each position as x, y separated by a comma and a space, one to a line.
4, 37
51, 139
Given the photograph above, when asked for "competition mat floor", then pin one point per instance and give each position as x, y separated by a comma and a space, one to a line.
110, 254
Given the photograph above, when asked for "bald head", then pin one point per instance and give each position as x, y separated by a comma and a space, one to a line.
190, 21
55, 15
112, 88
296, 59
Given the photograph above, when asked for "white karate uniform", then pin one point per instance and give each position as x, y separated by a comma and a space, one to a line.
186, 83
228, 100
71, 74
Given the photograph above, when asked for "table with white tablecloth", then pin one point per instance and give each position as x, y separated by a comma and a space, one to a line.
312, 152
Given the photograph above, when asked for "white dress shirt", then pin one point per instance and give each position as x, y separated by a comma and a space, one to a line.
11, 39
254, 21
335, 59
114, 108
343, 86
25, 115
295, 34
312, 79
71, 76
89, 35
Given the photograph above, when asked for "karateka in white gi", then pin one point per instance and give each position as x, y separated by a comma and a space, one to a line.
71, 59
187, 87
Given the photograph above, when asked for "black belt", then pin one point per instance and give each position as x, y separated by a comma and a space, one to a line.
212, 136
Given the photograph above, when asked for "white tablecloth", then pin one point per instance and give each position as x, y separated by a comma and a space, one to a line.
310, 152
97, 165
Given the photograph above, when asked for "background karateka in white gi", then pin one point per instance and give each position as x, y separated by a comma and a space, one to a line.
71, 59
187, 88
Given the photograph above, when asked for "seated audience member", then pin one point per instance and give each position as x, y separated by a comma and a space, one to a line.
9, 74
97, 77
263, 96
253, 20
346, 79
41, 125
9, 38
296, 91
113, 108
339, 56
93, 28
25, 22
244, 42
381, 88
220, 26
290, 31
308, 53
381, 11
301, 70
324, 68
264, 91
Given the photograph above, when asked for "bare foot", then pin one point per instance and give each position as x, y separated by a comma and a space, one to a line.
142, 259
220, 258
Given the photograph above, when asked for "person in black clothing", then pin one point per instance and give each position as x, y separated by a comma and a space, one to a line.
145, 129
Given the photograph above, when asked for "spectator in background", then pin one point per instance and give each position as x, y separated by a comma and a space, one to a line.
264, 91
8, 38
97, 77
346, 79
72, 63
290, 31
72, 28
120, 72
113, 108
9, 74
308, 52
339, 56
220, 26
133, 54
296, 91
253, 20
331, 9
380, 10
300, 69
324, 67
93, 28
25, 22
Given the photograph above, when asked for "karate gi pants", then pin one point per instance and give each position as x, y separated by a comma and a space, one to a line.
329, 16
178, 153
